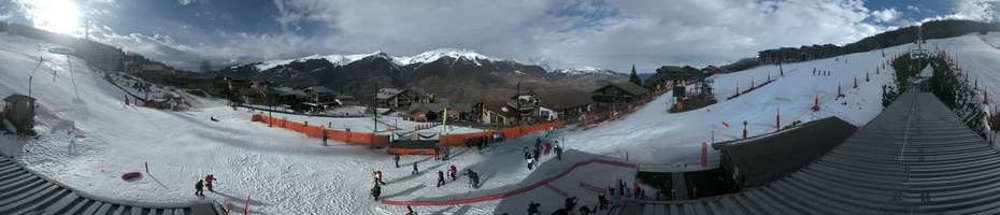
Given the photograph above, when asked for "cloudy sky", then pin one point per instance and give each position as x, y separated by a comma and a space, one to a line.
559, 34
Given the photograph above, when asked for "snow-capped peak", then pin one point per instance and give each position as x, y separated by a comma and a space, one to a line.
334, 59
434, 55
584, 70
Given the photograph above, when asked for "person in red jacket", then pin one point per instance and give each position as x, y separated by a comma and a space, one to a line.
453, 172
209, 179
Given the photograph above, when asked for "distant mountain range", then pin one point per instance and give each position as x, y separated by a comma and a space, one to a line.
460, 75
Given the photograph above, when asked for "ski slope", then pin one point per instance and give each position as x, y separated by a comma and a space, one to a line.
654, 136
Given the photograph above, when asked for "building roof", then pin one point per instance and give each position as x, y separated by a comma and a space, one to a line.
17, 97
438, 107
565, 99
320, 89
288, 91
628, 87
386, 93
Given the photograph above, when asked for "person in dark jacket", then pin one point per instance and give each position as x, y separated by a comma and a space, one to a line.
376, 191
396, 158
409, 211
440, 178
533, 208
570, 203
415, 170
602, 202
198, 188
559, 152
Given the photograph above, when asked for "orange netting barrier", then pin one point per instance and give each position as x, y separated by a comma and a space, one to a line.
319, 131
511, 132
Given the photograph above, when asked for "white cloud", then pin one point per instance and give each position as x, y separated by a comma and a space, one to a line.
981, 10
186, 2
886, 15
913, 8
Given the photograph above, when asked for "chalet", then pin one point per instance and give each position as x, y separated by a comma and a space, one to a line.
524, 106
292, 97
620, 92
435, 111
394, 98
321, 95
19, 110
567, 106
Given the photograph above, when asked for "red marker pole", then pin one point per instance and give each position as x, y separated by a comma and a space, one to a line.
246, 207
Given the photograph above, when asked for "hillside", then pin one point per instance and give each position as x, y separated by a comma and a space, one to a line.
460, 75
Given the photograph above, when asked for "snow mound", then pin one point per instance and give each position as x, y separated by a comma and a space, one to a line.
585, 70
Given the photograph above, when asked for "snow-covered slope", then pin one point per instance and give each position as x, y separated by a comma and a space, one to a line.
652, 135
334, 59
282, 172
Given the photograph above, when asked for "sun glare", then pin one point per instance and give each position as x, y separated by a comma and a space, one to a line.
60, 16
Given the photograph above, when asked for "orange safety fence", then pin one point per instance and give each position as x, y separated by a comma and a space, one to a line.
319, 131
511, 132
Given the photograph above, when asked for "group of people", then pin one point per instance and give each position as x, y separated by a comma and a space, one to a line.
534, 208
204, 183
452, 173
532, 156
821, 72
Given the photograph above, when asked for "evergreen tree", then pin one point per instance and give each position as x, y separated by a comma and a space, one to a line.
634, 78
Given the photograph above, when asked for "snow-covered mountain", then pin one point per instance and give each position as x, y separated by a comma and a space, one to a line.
585, 70
422, 58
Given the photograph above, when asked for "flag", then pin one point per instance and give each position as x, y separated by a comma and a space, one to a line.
725, 124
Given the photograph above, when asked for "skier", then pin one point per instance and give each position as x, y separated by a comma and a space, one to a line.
415, 171
376, 191
324, 138
537, 153
453, 172
621, 187
197, 188
209, 179
475, 180
533, 208
409, 211
602, 202
559, 152
548, 148
396, 158
378, 177
527, 154
469, 173
531, 164
570, 203
440, 178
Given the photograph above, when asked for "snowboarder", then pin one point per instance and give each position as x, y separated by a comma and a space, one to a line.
409, 211
396, 158
531, 163
376, 191
559, 152
533, 208
415, 170
198, 188
209, 179
213, 119
440, 178
453, 172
